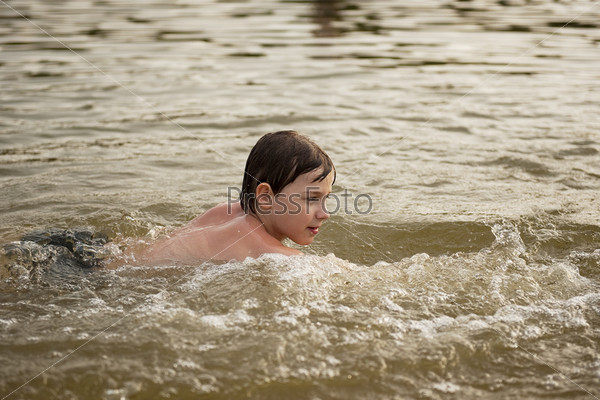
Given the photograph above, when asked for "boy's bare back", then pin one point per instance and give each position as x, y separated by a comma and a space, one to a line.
223, 233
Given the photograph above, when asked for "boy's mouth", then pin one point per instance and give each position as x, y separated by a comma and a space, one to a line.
313, 229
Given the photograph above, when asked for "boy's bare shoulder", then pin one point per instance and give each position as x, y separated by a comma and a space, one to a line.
244, 236
217, 215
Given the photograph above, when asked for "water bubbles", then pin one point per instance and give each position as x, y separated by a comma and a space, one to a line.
446, 387
130, 389
213, 328
186, 365
508, 238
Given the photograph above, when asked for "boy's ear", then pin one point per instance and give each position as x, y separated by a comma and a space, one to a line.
264, 197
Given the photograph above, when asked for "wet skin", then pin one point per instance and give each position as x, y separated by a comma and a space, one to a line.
226, 233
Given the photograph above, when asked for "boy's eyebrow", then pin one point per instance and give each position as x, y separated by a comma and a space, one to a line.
317, 192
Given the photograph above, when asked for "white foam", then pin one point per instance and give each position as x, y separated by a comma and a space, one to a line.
446, 387
6, 323
234, 320
181, 364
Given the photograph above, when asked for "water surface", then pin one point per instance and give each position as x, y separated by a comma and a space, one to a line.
472, 125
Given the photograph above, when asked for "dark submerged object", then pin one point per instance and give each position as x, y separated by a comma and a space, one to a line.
53, 250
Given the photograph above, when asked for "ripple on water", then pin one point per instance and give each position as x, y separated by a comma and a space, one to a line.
257, 325
448, 115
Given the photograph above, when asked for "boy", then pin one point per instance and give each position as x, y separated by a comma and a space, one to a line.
286, 181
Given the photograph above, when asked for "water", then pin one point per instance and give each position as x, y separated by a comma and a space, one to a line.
472, 126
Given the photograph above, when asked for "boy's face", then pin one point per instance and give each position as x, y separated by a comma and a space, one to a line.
299, 209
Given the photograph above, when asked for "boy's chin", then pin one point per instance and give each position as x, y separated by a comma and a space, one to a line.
303, 241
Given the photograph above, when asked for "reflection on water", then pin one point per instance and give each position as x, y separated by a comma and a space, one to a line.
326, 13
472, 125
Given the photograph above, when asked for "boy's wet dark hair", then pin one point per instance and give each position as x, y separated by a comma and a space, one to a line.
278, 158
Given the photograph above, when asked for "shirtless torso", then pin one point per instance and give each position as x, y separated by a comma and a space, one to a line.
222, 233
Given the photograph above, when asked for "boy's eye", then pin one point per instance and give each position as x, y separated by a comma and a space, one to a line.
331, 203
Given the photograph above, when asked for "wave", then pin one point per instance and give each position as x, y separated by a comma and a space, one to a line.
465, 324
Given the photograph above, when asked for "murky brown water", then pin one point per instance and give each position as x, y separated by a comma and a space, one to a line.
472, 125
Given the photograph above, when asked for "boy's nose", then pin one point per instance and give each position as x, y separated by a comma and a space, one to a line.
322, 213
